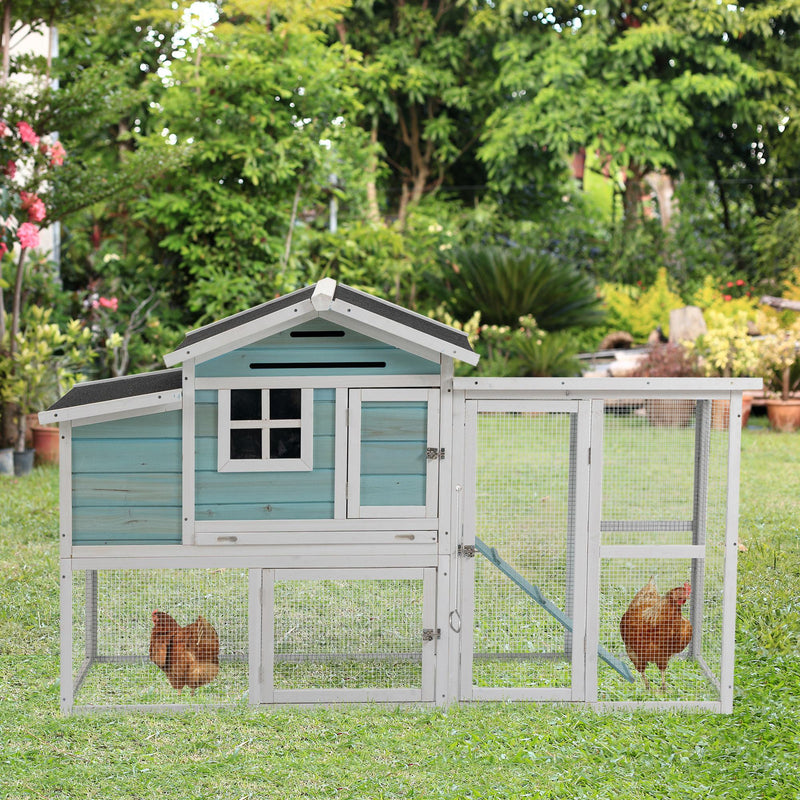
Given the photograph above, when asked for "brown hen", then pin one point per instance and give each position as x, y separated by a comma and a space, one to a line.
190, 655
654, 629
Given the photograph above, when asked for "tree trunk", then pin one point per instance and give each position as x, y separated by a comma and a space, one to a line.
373, 211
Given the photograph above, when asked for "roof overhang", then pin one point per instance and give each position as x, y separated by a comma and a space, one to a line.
338, 303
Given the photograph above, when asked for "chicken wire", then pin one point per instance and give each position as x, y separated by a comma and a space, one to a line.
525, 485
693, 672
348, 634
112, 624
665, 472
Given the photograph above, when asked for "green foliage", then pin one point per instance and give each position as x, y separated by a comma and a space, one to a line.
640, 311
506, 283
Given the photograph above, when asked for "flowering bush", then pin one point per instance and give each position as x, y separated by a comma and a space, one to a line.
727, 349
780, 349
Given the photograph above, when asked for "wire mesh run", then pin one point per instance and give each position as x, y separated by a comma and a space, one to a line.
202, 653
655, 617
525, 485
348, 634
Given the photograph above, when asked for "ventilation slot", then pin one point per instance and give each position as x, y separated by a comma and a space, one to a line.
319, 365
316, 334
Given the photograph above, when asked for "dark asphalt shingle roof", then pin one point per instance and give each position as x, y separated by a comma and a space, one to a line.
166, 380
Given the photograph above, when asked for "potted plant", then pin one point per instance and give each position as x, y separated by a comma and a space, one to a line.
671, 360
43, 364
728, 349
780, 357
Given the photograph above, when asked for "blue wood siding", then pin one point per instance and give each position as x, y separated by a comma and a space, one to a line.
347, 348
394, 437
126, 481
264, 495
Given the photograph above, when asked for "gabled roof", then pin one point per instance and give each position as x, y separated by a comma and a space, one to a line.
112, 394
371, 315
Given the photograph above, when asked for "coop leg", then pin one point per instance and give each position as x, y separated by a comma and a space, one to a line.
702, 448
67, 694
91, 615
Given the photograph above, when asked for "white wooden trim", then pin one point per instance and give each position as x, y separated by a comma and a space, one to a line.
700, 706
346, 557
583, 435
322, 297
333, 538
115, 409
467, 536
540, 407
245, 334
380, 512
369, 394
319, 382
731, 557
432, 653
653, 551
65, 489
65, 636
311, 525
354, 454
588, 388
385, 326
188, 455
129, 414
255, 639
340, 455
266, 463
593, 550
267, 653
355, 574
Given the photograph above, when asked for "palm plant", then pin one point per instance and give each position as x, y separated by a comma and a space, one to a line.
506, 283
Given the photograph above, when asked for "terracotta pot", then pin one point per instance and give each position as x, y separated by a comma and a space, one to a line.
669, 413
720, 412
45, 442
31, 422
784, 415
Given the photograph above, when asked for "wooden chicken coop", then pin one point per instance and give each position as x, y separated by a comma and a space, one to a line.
309, 485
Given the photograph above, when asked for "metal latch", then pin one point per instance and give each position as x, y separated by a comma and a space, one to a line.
429, 634
466, 550
434, 453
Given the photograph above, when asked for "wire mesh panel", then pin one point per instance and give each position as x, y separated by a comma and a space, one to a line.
669, 629
664, 510
159, 636
525, 476
348, 634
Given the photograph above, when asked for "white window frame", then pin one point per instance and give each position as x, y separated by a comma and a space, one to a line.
265, 464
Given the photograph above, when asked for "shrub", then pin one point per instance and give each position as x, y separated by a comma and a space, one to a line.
668, 361
506, 283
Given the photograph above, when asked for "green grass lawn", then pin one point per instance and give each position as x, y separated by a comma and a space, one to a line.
484, 750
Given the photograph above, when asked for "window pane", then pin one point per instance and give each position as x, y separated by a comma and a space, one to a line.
284, 404
245, 403
246, 443
284, 443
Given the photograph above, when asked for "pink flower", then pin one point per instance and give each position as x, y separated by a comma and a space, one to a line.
57, 153
26, 134
3, 249
109, 302
11, 169
740, 282
4, 130
34, 206
28, 235
727, 298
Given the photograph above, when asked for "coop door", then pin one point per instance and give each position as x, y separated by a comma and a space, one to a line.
353, 635
526, 507
393, 453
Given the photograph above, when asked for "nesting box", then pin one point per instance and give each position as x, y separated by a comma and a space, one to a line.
309, 492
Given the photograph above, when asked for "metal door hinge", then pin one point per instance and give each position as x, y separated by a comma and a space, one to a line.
429, 634
435, 452
466, 550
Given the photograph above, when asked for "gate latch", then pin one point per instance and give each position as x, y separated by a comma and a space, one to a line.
434, 453
466, 550
429, 634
